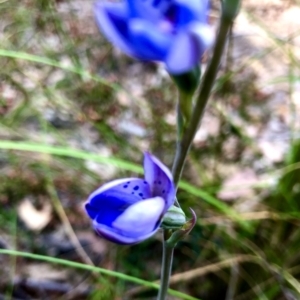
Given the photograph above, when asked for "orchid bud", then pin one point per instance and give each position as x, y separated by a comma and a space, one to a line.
174, 218
179, 234
231, 9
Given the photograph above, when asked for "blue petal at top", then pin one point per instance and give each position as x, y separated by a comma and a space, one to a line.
150, 10
160, 179
150, 43
111, 199
181, 12
112, 18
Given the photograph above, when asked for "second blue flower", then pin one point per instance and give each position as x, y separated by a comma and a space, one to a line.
171, 31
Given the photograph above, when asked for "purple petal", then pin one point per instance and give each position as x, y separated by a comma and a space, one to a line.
193, 42
110, 200
160, 179
118, 238
146, 9
182, 12
112, 18
150, 42
137, 223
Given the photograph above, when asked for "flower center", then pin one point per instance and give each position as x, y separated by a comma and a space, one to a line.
166, 26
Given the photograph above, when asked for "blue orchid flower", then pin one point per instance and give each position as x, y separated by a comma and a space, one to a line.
130, 210
171, 31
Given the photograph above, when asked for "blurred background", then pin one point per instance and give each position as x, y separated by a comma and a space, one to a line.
76, 113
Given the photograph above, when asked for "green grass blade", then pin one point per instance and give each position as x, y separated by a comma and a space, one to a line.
124, 165
69, 152
81, 266
50, 62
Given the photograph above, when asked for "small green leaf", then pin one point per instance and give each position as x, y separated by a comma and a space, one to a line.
179, 234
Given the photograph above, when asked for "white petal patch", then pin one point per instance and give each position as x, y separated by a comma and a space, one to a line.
188, 46
203, 33
183, 55
141, 217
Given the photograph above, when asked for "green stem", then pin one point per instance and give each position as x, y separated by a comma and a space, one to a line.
184, 144
180, 123
184, 109
166, 267
207, 83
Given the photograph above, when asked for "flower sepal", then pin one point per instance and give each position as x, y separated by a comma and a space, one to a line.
174, 218
188, 82
181, 233
230, 9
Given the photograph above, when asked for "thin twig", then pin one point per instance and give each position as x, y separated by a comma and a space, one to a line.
201, 271
67, 225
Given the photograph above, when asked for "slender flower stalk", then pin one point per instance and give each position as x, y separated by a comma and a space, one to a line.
207, 83
167, 261
184, 144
